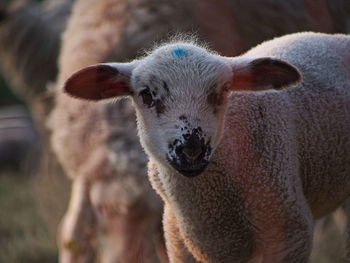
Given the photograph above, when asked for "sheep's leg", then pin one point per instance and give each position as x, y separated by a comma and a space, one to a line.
128, 229
177, 250
77, 231
128, 238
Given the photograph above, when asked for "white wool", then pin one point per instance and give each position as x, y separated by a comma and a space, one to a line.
283, 158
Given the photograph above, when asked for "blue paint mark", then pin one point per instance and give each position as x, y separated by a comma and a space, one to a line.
179, 52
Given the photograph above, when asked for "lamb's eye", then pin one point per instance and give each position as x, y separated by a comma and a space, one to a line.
147, 98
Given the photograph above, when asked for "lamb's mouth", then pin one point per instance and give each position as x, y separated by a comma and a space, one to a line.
192, 173
190, 157
189, 170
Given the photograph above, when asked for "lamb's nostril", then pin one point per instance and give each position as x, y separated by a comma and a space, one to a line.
192, 153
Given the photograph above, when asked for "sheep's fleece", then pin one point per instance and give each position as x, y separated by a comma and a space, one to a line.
246, 152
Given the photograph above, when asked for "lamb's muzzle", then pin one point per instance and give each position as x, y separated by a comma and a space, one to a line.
190, 157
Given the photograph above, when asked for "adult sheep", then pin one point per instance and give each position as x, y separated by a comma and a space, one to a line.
246, 152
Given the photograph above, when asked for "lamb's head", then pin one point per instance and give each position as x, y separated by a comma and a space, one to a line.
180, 94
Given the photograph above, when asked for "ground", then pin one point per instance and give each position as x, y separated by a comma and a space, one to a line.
30, 208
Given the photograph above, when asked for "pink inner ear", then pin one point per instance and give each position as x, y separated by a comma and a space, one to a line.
114, 89
96, 82
243, 80
264, 73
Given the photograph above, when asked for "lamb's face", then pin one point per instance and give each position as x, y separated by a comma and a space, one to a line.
179, 93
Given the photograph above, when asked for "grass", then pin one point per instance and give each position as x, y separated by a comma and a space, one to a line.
24, 235
30, 208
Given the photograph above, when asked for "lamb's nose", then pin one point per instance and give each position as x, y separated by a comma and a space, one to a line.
192, 153
192, 148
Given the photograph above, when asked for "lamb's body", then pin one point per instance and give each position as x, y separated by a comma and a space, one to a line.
244, 174
319, 112
284, 157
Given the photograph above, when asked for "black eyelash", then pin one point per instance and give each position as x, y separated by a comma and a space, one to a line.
147, 97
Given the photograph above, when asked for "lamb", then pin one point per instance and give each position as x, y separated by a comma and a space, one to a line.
246, 152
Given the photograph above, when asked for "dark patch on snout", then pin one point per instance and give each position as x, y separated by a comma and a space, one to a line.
183, 118
190, 157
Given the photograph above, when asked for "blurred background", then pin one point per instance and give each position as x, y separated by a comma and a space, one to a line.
34, 190
31, 203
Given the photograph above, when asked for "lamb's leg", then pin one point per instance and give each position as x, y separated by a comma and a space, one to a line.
77, 231
176, 248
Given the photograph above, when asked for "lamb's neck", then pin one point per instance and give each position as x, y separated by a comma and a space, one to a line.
209, 203
241, 208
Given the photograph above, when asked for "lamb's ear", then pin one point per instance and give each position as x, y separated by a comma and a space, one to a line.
263, 73
100, 81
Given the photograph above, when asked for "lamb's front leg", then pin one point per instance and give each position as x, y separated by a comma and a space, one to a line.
177, 251
77, 232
